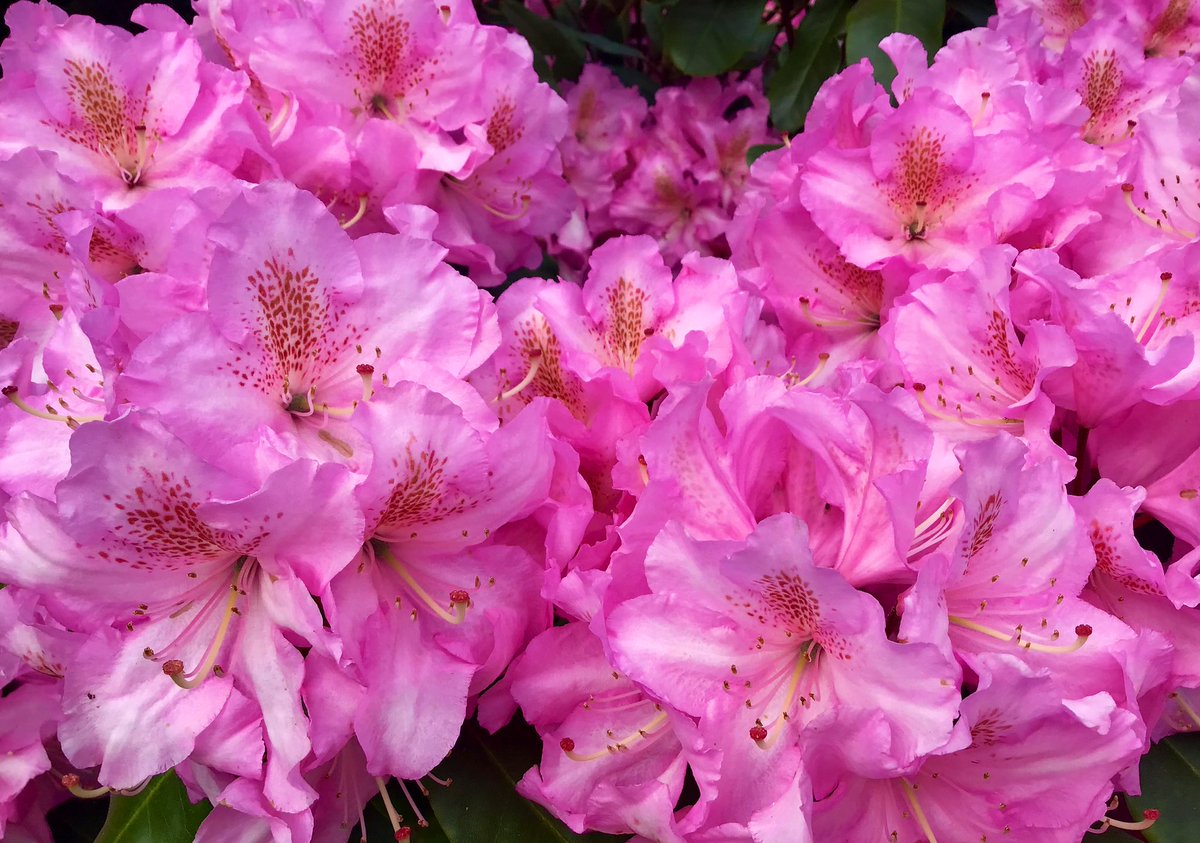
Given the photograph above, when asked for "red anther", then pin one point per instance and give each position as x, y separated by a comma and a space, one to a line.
919, 387
9, 390
566, 745
70, 780
535, 354
173, 667
364, 369
1151, 814
1166, 276
403, 833
758, 733
1127, 187
1083, 630
459, 596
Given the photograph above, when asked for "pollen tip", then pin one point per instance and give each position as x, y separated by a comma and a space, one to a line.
1127, 187
1166, 276
459, 596
758, 733
1083, 630
173, 667
566, 745
11, 389
919, 387
364, 369
403, 833
71, 780
148, 653
1151, 814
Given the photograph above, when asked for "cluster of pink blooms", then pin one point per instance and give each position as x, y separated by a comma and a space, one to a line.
676, 171
806, 512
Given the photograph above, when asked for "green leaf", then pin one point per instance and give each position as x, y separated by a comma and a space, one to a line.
1170, 783
604, 45
161, 813
814, 56
759, 150
547, 38
707, 37
870, 21
482, 804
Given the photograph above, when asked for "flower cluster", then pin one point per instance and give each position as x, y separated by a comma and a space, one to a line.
675, 171
807, 506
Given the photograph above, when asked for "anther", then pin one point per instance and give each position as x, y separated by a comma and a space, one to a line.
173, 667
566, 745
758, 734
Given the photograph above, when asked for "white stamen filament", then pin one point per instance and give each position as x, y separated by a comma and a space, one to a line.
645, 733
1154, 311
358, 215
535, 363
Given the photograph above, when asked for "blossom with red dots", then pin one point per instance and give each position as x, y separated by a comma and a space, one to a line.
809, 502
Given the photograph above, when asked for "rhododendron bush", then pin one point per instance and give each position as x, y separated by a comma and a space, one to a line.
687, 422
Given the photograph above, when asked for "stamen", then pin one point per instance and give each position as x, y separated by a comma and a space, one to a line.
1186, 708
358, 215
72, 783
197, 676
910, 794
802, 662
828, 322
932, 410
1154, 311
523, 201
281, 117
393, 816
535, 363
460, 600
50, 414
622, 745
421, 821
1162, 225
643, 470
915, 229
1149, 817
442, 782
1082, 633
822, 360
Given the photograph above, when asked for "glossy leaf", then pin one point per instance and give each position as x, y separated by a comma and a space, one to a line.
547, 38
707, 37
482, 804
161, 813
814, 56
1170, 784
870, 21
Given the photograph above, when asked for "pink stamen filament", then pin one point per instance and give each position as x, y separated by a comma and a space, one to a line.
1149, 817
1016, 637
827, 322
910, 794
933, 529
421, 821
645, 733
459, 608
